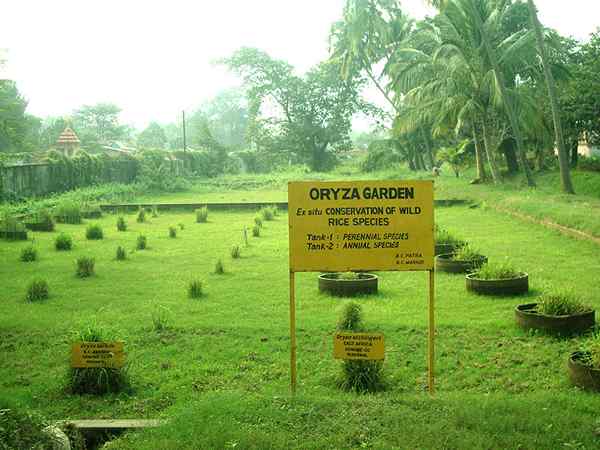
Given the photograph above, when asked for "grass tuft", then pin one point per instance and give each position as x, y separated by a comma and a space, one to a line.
236, 252
29, 254
258, 221
141, 217
194, 289
94, 232
63, 242
161, 317
202, 215
37, 291
121, 254
85, 267
121, 224
141, 243
219, 267
256, 231
497, 271
561, 304
172, 232
466, 253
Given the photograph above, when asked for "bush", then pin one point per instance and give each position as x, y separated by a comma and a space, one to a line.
172, 232
121, 254
141, 243
96, 380
29, 254
258, 221
63, 242
85, 267
256, 231
37, 290
358, 375
181, 226
498, 271
219, 267
68, 211
22, 430
154, 211
562, 304
94, 232
141, 217
236, 252
202, 215
195, 289
121, 224
591, 164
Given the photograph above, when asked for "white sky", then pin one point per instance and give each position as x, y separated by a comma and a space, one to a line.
153, 58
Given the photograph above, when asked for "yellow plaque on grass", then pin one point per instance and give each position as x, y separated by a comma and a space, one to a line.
341, 226
358, 346
97, 354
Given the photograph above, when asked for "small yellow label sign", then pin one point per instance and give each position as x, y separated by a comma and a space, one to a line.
97, 354
339, 226
358, 346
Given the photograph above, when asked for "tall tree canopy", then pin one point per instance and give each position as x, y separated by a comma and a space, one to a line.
13, 120
99, 124
308, 116
153, 136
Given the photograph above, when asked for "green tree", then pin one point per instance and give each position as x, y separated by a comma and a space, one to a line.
309, 117
99, 124
13, 121
152, 137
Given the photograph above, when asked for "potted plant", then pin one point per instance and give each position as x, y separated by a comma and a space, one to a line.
446, 242
91, 212
348, 284
561, 313
464, 259
11, 229
584, 365
498, 279
41, 221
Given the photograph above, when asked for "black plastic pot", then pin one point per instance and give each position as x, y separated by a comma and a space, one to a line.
509, 286
365, 284
528, 318
445, 263
40, 226
14, 235
581, 374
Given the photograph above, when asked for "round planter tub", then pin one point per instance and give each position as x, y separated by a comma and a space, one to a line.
445, 263
527, 319
364, 285
582, 375
511, 286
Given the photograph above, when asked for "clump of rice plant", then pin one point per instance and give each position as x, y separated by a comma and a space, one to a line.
236, 252
68, 211
172, 232
141, 243
85, 267
121, 224
358, 375
161, 316
121, 254
141, 217
43, 220
256, 231
561, 304
202, 215
466, 253
154, 211
181, 226
96, 380
348, 276
63, 242
94, 232
258, 221
194, 288
444, 237
37, 290
591, 351
497, 271
219, 267
29, 254
267, 213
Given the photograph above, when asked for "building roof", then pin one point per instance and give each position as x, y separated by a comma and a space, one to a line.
67, 137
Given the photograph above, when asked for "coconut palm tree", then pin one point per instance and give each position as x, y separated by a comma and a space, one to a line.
563, 160
484, 14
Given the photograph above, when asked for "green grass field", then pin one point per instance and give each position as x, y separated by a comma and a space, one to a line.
219, 373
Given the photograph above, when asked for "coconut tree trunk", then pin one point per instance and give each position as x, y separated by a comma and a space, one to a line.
481, 175
489, 152
508, 106
563, 159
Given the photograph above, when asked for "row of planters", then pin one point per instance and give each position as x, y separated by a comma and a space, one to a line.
561, 314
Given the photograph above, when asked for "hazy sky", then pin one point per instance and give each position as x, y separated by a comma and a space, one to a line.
153, 58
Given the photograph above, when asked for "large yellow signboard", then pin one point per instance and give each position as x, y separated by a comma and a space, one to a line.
97, 354
358, 346
361, 225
